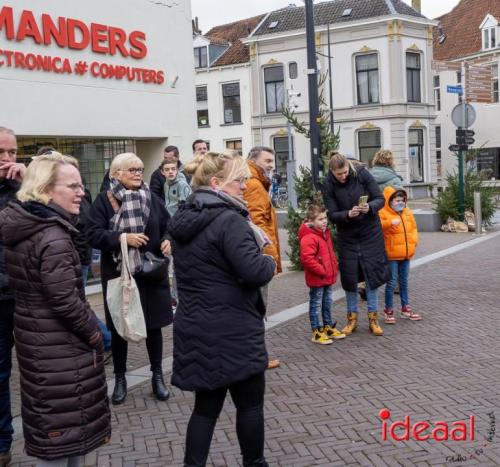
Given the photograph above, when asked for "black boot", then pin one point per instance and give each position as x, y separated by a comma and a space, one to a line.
159, 388
120, 390
255, 463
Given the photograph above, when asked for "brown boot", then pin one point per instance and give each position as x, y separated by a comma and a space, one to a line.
373, 323
352, 324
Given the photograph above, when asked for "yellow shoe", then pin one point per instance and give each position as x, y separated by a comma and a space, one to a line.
333, 332
352, 324
373, 323
319, 338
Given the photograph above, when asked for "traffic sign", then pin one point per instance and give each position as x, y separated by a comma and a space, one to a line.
465, 137
454, 89
463, 110
454, 147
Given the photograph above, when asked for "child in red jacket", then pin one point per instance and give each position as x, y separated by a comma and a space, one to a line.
321, 267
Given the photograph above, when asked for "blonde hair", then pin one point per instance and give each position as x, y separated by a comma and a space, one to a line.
122, 161
224, 166
338, 161
41, 176
383, 157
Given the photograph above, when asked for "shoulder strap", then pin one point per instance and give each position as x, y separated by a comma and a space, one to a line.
113, 202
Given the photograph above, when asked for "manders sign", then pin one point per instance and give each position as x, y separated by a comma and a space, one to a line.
70, 33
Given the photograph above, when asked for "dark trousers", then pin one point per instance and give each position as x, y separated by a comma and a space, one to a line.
119, 349
248, 397
7, 308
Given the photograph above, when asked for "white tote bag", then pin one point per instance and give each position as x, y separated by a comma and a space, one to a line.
124, 302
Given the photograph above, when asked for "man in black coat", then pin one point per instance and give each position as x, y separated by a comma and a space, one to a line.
11, 173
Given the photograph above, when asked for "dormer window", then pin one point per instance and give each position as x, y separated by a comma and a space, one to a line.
489, 32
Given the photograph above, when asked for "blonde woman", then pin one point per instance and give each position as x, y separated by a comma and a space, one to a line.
58, 343
353, 200
218, 328
128, 207
383, 170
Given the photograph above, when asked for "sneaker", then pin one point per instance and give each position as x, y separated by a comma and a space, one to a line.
332, 332
407, 312
389, 317
319, 338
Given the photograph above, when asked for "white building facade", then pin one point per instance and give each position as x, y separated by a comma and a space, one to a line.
94, 79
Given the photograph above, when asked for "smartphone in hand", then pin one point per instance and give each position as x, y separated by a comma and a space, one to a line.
363, 200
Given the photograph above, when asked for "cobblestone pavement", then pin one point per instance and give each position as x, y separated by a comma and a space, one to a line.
322, 404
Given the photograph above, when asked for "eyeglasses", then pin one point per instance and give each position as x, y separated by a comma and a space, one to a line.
135, 170
76, 187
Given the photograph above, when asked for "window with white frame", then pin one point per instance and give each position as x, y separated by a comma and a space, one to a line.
494, 82
367, 79
202, 106
293, 71
437, 93
438, 150
281, 155
369, 142
489, 38
231, 102
275, 88
416, 155
235, 145
413, 68
200, 57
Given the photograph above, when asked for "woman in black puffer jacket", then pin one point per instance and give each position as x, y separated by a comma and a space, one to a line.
219, 340
59, 347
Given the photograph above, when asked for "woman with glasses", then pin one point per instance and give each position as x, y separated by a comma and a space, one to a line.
59, 347
128, 207
219, 341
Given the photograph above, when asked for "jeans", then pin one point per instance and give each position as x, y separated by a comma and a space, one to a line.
106, 335
371, 298
6, 342
248, 397
320, 301
401, 269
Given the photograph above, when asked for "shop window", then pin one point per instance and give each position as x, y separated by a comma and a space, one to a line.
202, 106
293, 70
200, 57
413, 68
235, 145
438, 151
231, 102
275, 88
494, 82
416, 155
369, 142
367, 79
280, 146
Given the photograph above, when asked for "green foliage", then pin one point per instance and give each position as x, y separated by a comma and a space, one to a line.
306, 194
446, 202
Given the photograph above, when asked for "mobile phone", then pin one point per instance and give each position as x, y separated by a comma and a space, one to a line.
363, 200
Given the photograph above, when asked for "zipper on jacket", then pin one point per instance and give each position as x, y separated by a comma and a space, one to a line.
406, 237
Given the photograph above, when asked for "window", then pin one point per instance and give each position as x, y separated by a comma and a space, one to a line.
275, 88
494, 82
438, 150
280, 146
293, 71
416, 155
200, 57
231, 101
202, 106
235, 145
367, 79
437, 93
368, 144
413, 77
489, 38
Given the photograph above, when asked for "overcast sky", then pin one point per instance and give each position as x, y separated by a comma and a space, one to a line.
215, 12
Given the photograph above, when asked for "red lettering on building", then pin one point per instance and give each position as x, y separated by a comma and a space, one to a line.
28, 28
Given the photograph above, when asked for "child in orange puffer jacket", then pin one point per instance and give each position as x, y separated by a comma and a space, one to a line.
401, 240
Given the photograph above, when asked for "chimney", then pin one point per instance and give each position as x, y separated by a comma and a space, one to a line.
415, 4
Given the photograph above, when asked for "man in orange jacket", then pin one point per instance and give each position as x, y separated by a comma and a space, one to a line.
401, 240
262, 213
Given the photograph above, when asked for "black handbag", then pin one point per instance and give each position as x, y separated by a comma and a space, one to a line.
153, 268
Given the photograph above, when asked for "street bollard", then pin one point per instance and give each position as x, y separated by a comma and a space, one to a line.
477, 212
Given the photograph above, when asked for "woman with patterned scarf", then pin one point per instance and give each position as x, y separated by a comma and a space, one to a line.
219, 337
129, 207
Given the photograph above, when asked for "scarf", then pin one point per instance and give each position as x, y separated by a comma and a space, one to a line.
131, 217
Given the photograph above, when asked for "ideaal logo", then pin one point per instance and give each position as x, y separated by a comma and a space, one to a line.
404, 430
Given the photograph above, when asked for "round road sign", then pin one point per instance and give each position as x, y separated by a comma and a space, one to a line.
463, 115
